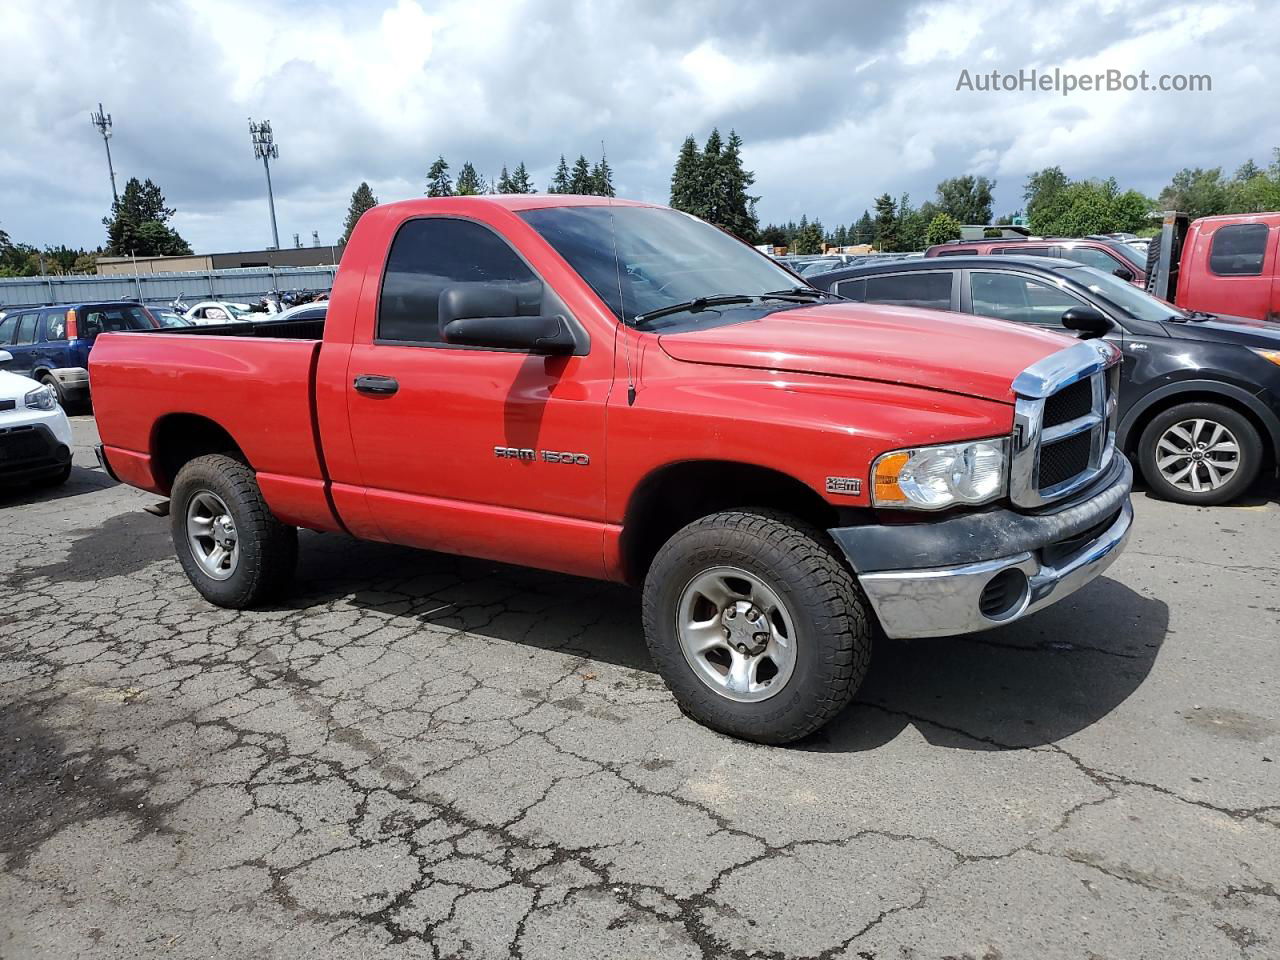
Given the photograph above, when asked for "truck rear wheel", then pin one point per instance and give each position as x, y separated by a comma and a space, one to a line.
232, 548
757, 627
1200, 453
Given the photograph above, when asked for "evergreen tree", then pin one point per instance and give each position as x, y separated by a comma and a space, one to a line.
738, 214
521, 182
361, 200
965, 199
560, 182
602, 178
864, 231
807, 239
715, 190
138, 224
686, 180
438, 182
580, 181
469, 183
504, 181
886, 224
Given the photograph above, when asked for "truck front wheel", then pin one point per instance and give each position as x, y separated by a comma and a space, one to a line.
757, 627
231, 546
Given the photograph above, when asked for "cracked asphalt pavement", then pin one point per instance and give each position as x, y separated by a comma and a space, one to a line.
424, 757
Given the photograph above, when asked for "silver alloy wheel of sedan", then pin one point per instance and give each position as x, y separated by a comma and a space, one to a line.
211, 532
1198, 455
736, 634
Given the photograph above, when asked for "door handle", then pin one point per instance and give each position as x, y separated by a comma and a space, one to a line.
375, 385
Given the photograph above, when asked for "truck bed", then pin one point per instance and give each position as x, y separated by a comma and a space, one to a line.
255, 382
272, 329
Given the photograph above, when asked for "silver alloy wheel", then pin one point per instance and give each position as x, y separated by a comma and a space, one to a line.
1198, 455
736, 634
211, 532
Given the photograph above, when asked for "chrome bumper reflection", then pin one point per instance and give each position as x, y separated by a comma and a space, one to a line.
944, 601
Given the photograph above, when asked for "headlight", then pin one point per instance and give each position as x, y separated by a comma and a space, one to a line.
934, 478
1272, 355
41, 398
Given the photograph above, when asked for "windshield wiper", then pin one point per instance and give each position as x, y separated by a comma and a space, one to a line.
691, 306
799, 294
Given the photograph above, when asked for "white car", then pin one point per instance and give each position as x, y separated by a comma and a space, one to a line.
35, 435
208, 312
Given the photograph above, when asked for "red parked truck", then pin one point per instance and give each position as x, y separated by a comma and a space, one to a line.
624, 392
1228, 264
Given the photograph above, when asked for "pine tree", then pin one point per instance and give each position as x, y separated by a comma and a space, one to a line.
602, 178
580, 182
886, 224
470, 183
521, 182
504, 181
138, 224
737, 215
686, 180
864, 231
361, 200
560, 182
714, 183
438, 182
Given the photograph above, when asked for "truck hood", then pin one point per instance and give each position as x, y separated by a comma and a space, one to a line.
938, 350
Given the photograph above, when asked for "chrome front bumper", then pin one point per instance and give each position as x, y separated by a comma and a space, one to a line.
1051, 556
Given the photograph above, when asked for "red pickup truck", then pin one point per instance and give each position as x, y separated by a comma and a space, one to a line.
622, 391
1228, 264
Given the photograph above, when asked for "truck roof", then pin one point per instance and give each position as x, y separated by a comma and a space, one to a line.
514, 201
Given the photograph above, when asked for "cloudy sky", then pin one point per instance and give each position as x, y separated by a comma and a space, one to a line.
837, 101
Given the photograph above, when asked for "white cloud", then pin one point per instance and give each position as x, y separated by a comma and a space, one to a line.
836, 106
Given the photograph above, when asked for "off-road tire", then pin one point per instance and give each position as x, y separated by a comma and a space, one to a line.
1250, 444
268, 548
832, 621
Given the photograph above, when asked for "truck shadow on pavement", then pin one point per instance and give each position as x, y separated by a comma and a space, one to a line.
1025, 685
1021, 686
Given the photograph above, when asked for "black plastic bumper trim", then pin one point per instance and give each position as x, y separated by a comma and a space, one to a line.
988, 535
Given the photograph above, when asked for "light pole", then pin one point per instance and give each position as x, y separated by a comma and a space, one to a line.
102, 121
265, 149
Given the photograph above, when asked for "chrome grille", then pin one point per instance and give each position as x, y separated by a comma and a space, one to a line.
1064, 422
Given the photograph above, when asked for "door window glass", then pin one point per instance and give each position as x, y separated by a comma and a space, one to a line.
1008, 296
1092, 257
1238, 250
931, 290
430, 255
26, 329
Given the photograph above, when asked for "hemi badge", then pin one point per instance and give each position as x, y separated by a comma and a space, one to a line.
850, 486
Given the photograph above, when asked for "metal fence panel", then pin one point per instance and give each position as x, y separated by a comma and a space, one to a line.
243, 283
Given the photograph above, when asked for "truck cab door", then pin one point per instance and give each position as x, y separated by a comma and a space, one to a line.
487, 452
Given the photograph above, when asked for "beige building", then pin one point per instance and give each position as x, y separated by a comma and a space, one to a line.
286, 257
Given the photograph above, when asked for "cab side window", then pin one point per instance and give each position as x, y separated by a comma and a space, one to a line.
432, 254
1238, 250
1008, 296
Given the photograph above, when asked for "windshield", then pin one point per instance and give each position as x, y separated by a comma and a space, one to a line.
1122, 293
662, 257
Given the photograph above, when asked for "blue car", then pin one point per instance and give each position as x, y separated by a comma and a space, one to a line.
51, 344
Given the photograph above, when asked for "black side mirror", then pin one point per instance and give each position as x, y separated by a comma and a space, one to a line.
479, 315
535, 334
1124, 273
1090, 322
